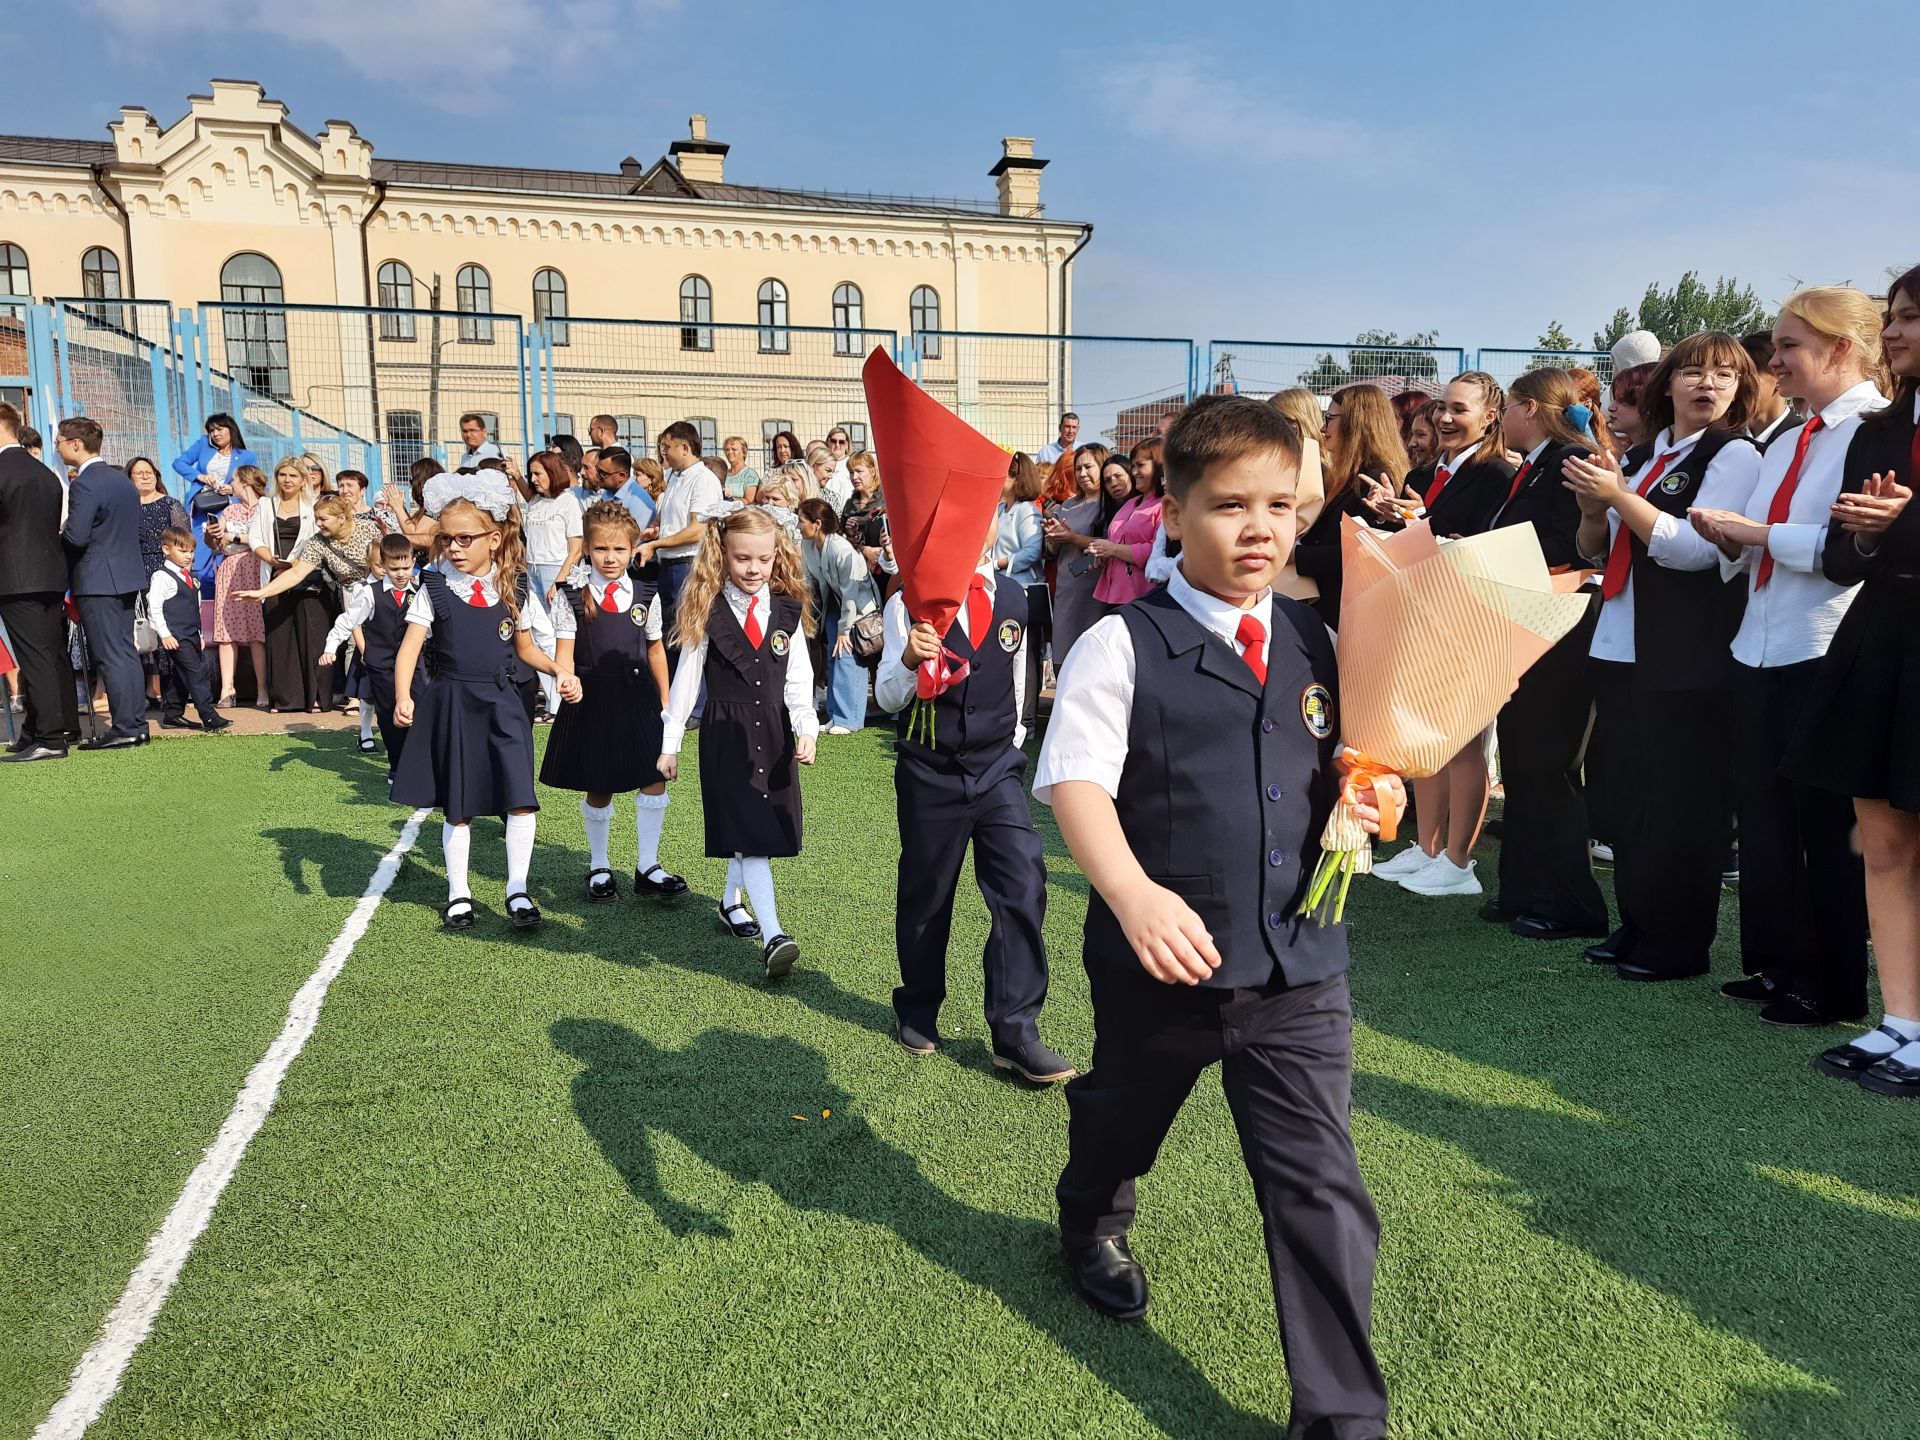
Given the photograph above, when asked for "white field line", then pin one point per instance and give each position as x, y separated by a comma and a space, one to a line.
98, 1375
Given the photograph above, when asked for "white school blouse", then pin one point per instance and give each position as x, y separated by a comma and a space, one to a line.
565, 627
688, 677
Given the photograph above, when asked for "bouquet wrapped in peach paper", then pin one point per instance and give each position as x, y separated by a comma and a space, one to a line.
1433, 640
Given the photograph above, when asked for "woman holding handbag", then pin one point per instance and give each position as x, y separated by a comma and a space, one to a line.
844, 590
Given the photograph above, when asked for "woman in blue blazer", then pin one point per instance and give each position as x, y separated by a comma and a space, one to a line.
207, 467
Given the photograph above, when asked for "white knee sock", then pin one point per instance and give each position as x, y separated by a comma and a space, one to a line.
1876, 1043
519, 851
599, 831
757, 875
731, 895
649, 818
455, 843
366, 719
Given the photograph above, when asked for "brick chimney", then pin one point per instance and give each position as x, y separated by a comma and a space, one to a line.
701, 161
1019, 176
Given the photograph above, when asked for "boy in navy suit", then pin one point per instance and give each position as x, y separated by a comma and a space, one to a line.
102, 536
1191, 765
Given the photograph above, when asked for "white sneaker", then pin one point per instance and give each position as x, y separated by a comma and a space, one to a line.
1402, 865
1442, 877
1598, 853
839, 730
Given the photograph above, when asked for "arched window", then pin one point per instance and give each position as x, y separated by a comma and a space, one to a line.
550, 305
396, 293
473, 295
923, 313
696, 313
13, 270
100, 280
848, 318
773, 318
256, 331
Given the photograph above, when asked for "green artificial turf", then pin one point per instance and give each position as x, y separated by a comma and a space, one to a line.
586, 1182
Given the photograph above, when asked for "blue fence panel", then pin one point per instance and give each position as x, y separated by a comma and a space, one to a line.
1264, 367
1508, 365
118, 362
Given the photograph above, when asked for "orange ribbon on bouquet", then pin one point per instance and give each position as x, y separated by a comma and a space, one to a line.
1361, 772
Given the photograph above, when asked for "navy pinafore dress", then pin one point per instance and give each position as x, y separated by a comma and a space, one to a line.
749, 778
609, 743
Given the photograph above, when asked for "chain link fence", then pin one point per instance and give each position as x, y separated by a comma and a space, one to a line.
1506, 366
1265, 367
118, 362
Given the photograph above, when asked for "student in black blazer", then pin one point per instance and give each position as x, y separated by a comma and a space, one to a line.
1547, 889
102, 536
1363, 450
33, 581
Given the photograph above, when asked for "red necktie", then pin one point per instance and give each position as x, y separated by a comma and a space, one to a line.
1440, 477
1620, 558
607, 601
477, 598
1783, 497
1251, 635
1519, 479
754, 632
979, 610
400, 597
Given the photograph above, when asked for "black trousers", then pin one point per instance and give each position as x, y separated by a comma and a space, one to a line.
1286, 1058
1544, 869
108, 621
296, 629
939, 814
1673, 811
1039, 631
37, 624
393, 736
186, 679
1803, 897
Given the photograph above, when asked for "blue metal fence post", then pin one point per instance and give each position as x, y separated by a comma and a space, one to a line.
42, 368
70, 403
163, 431
526, 401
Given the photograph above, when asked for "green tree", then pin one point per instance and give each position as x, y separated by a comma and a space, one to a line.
1373, 359
1555, 338
1688, 308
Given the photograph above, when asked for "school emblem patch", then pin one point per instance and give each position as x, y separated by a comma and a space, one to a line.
506, 629
637, 615
1009, 635
779, 642
1316, 711
1674, 483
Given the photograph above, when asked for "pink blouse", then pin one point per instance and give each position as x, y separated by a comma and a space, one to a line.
1134, 526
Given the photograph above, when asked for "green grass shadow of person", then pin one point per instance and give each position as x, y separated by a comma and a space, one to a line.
337, 752
630, 1088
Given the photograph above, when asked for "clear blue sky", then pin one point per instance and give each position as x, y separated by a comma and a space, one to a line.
1252, 170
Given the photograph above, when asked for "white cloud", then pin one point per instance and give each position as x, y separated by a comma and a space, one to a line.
442, 46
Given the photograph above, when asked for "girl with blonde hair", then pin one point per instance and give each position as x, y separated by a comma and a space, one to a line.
742, 626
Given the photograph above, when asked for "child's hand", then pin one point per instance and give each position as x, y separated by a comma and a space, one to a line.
1368, 801
803, 748
169, 642
668, 766
923, 644
1172, 942
326, 659
569, 687
403, 710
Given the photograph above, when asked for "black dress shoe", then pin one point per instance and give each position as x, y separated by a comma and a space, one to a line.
1850, 1061
1494, 913
16, 745
1538, 927
29, 753
1795, 1013
1033, 1062
1759, 989
1891, 1077
914, 1040
522, 917
657, 884
739, 922
1647, 975
114, 742
216, 725
601, 886
779, 956
457, 914
1107, 1276
1609, 950
178, 722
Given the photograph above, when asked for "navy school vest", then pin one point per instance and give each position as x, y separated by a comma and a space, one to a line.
385, 628
182, 609
1226, 788
973, 721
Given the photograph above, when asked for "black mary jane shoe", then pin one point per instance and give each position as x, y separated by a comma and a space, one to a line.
522, 917
454, 917
368, 745
1791, 1012
743, 928
1850, 1061
779, 956
1891, 1077
601, 886
658, 884
1106, 1275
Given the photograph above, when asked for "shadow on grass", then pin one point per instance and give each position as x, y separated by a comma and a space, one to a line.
838, 1166
337, 753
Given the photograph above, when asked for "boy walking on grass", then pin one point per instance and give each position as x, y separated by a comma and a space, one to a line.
1191, 765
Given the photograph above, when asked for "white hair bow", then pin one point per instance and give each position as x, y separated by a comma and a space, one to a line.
486, 488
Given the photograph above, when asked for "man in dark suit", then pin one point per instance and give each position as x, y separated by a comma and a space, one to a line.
102, 536
33, 584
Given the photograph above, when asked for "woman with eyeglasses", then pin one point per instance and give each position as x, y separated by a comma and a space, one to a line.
1662, 667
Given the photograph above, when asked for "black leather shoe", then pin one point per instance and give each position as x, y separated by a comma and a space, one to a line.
1850, 1062
1646, 975
779, 956
178, 722
16, 745
1494, 913
114, 742
522, 917
216, 725
1890, 1077
1033, 1062
1107, 1276
739, 922
27, 754
1754, 990
657, 884
1794, 1013
1538, 927
601, 886
457, 914
1609, 950
914, 1040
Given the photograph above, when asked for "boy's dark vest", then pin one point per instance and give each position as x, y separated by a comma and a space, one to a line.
182, 609
1683, 620
620, 638
1226, 789
973, 721
384, 628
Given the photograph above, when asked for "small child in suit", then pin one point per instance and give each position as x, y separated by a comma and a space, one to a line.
376, 618
173, 607
1191, 763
